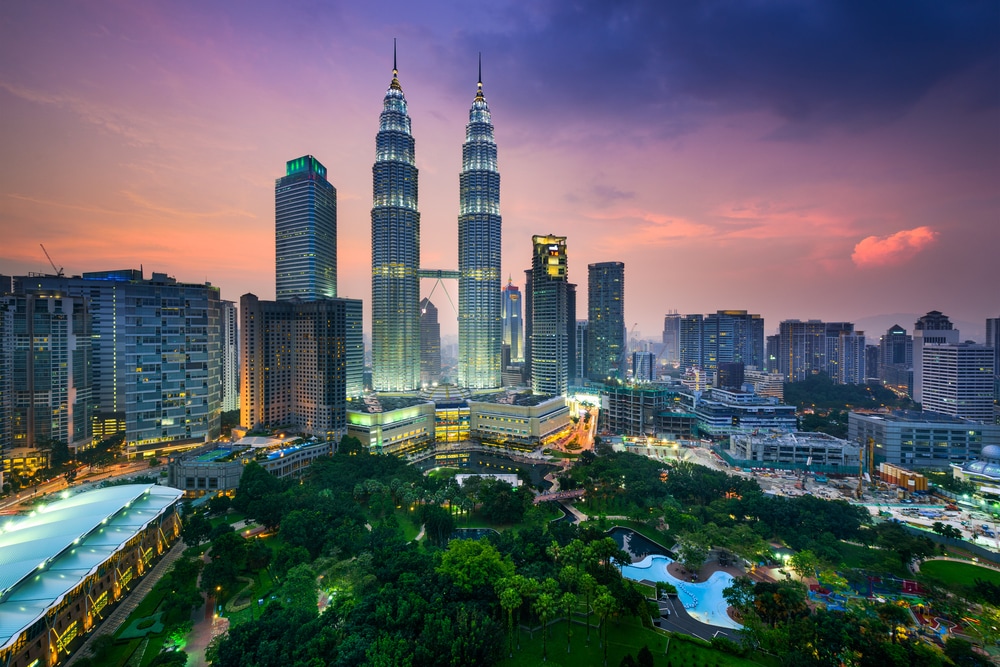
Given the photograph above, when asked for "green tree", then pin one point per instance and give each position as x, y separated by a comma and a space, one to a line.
473, 564
804, 563
567, 602
545, 608
196, 529
588, 585
740, 595
604, 605
298, 590
510, 600
691, 555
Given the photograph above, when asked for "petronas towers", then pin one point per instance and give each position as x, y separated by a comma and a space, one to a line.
396, 251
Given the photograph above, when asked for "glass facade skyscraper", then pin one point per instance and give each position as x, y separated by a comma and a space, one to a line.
479, 227
305, 232
513, 326
605, 358
395, 249
549, 317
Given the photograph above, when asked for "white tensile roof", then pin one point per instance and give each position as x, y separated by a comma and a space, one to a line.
47, 554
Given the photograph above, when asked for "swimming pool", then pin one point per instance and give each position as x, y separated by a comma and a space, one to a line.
702, 600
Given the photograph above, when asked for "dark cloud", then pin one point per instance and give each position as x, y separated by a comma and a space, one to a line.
852, 64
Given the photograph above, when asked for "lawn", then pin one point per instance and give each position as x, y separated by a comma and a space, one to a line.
626, 636
871, 559
961, 574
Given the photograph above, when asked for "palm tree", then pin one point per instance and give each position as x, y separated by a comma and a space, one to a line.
605, 604
510, 600
546, 607
568, 600
589, 586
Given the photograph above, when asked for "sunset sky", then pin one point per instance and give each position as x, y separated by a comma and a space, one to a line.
830, 160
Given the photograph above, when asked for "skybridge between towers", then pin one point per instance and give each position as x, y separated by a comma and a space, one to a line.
438, 275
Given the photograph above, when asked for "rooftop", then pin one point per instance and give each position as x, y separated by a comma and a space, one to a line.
45, 555
524, 399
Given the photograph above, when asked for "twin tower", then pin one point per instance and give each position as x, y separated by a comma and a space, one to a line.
396, 251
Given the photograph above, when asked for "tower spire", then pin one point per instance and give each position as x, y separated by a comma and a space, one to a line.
479, 86
395, 71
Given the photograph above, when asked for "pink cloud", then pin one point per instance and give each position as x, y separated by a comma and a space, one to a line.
893, 249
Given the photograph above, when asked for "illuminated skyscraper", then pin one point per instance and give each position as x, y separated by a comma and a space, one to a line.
548, 321
513, 326
395, 249
305, 232
479, 317
605, 358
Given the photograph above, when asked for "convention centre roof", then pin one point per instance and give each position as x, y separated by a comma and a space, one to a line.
45, 555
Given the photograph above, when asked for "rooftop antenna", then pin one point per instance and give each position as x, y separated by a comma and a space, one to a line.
394, 70
59, 271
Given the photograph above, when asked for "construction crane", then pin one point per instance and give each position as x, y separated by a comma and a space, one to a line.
59, 271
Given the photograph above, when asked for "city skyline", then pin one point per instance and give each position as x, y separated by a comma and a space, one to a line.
852, 157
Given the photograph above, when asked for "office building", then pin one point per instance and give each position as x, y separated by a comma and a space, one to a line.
726, 336
993, 340
395, 249
216, 468
931, 329
872, 364
305, 232
579, 365
724, 412
45, 365
801, 349
430, 344
896, 360
633, 409
513, 324
547, 318
772, 347
850, 368
832, 357
958, 380
765, 383
519, 421
816, 451
230, 347
480, 324
606, 345
157, 358
643, 366
731, 375
671, 338
921, 439
293, 365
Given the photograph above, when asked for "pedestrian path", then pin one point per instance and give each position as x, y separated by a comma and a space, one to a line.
110, 625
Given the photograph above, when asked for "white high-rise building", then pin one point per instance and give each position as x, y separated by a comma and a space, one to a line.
931, 329
958, 380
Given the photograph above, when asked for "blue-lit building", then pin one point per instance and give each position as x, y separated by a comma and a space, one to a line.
157, 360
395, 249
513, 324
479, 230
305, 232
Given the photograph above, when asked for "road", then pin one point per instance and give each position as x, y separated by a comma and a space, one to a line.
24, 500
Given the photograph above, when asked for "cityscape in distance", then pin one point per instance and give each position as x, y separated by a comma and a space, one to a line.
691, 339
